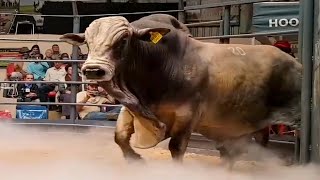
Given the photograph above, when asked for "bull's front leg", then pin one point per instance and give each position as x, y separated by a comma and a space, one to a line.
123, 132
181, 132
178, 144
186, 118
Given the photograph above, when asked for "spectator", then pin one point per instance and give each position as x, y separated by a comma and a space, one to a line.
68, 77
35, 49
93, 96
15, 69
25, 52
55, 51
48, 56
285, 46
38, 69
28, 92
65, 57
55, 73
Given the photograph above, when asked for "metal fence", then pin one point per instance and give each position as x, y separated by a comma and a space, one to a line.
224, 37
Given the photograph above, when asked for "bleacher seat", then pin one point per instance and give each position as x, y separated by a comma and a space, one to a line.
31, 112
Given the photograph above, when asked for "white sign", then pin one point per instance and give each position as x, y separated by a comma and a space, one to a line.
293, 22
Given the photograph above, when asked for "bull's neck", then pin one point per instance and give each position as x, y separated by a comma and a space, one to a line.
152, 70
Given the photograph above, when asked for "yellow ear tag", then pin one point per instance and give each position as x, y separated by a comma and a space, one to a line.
155, 37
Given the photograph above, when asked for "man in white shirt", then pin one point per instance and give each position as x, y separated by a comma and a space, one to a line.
55, 73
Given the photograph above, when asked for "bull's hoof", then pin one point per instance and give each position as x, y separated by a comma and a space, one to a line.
135, 160
228, 164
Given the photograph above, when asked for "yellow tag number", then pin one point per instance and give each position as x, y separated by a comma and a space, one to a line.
155, 37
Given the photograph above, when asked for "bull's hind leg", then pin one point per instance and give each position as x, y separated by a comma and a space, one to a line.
123, 132
230, 150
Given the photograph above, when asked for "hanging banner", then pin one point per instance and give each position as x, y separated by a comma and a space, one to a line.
275, 17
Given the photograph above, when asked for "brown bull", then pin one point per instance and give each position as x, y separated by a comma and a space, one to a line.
225, 92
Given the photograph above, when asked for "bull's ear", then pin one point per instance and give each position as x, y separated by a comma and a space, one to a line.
152, 34
74, 39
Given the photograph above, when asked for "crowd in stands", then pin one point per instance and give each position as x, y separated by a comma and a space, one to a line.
58, 92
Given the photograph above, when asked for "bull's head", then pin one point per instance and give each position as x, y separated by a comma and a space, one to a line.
106, 38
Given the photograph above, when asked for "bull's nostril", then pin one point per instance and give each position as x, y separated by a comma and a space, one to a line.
101, 72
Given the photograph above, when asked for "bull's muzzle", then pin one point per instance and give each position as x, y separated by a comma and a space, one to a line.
96, 72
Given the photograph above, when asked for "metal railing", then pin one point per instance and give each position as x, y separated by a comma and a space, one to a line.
225, 22
225, 37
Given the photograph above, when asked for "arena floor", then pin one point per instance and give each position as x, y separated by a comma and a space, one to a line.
28, 153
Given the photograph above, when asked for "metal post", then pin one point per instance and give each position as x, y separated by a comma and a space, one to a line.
181, 15
246, 13
226, 24
315, 122
307, 51
75, 54
297, 147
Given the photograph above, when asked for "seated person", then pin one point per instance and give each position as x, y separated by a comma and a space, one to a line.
68, 77
15, 71
55, 73
93, 96
28, 92
38, 69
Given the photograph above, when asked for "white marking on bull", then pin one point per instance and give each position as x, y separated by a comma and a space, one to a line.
237, 51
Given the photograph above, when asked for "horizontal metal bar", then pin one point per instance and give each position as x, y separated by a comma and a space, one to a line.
54, 103
93, 15
204, 23
199, 38
223, 3
64, 122
281, 142
29, 40
249, 35
47, 82
211, 24
42, 60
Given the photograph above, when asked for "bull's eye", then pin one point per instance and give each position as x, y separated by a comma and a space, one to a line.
121, 44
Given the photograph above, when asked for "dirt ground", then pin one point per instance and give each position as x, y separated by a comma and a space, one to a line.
27, 153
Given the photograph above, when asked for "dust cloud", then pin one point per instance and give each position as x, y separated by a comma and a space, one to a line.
29, 153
